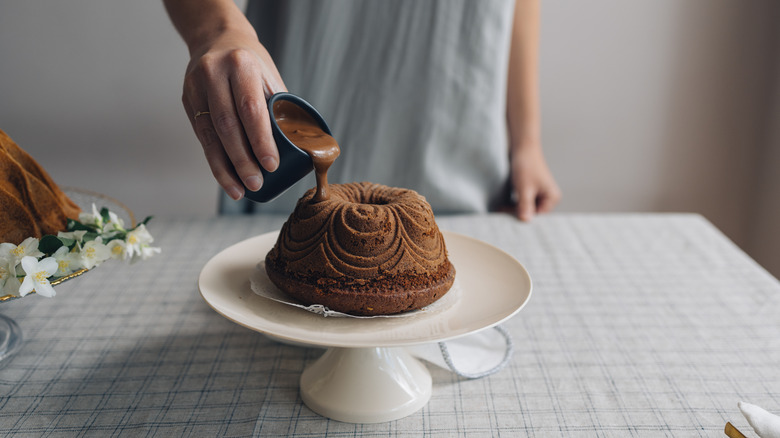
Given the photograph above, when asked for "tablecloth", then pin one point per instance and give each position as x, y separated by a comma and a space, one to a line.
639, 325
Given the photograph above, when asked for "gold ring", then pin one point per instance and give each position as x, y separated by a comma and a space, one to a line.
200, 113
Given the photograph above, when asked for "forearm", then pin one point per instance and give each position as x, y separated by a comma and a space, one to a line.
522, 108
199, 22
535, 189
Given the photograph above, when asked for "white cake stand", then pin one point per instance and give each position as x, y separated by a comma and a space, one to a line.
365, 376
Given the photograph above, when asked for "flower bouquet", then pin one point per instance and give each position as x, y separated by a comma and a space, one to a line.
36, 265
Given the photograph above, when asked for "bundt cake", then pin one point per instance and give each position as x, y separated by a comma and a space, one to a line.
31, 204
368, 249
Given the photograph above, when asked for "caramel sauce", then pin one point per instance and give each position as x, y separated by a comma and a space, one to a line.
303, 131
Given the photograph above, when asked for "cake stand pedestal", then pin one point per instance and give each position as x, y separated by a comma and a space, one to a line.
365, 375
366, 385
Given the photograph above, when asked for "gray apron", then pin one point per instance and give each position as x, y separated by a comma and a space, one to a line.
413, 90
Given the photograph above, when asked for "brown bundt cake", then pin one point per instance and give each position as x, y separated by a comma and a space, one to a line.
31, 204
367, 250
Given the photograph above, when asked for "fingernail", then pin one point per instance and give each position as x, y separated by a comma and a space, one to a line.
235, 193
253, 183
269, 163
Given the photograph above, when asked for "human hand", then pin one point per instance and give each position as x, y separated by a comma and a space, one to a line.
534, 188
228, 80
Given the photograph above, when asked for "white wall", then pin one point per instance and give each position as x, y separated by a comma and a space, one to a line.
658, 105
763, 226
654, 105
92, 89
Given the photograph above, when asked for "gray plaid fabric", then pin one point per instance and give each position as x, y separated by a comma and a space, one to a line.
639, 325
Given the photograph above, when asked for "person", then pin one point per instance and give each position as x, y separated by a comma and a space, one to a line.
440, 96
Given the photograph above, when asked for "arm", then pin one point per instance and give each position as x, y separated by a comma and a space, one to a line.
230, 75
534, 187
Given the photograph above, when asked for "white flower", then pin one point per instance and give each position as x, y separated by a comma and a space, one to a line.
11, 287
13, 254
93, 218
137, 239
28, 247
22, 273
10, 257
9, 284
137, 244
37, 277
67, 261
118, 248
145, 252
94, 253
78, 236
5, 274
4, 271
115, 223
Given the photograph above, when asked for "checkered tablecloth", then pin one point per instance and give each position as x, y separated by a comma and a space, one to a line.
639, 325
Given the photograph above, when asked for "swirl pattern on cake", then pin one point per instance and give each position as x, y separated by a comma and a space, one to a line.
368, 249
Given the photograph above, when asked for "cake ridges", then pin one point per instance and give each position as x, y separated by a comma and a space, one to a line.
399, 243
366, 247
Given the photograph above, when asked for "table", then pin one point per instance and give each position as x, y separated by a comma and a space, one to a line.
639, 325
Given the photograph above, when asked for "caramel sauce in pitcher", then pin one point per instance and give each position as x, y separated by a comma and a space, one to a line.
303, 131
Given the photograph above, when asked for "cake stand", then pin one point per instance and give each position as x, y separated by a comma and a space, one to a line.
365, 375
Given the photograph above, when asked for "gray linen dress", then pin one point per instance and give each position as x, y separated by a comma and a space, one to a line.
413, 90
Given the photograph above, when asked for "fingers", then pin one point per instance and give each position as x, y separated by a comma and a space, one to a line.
526, 205
234, 142
218, 160
532, 202
536, 192
229, 128
236, 134
534, 187
546, 202
249, 97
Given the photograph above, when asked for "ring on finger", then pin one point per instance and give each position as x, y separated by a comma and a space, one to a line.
200, 113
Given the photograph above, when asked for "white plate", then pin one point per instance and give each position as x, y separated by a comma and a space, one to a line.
494, 287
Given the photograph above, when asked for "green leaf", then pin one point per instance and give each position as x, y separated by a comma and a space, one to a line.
49, 244
113, 235
90, 236
143, 222
67, 241
78, 226
104, 215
